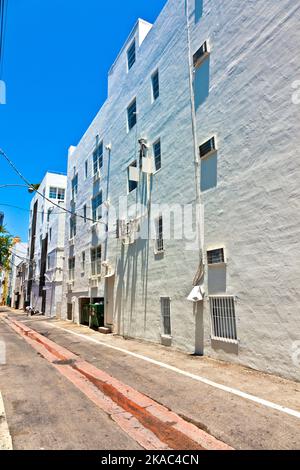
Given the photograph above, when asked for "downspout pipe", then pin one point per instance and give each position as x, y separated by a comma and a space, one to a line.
199, 216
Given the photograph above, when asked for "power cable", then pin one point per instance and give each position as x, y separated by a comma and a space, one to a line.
30, 186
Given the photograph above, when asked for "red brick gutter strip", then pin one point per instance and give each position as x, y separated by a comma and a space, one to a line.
170, 428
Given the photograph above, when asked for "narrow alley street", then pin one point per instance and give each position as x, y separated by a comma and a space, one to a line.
45, 411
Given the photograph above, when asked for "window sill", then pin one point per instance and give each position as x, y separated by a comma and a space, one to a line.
224, 340
217, 265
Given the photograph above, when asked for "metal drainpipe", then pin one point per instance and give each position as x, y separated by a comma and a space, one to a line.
195, 140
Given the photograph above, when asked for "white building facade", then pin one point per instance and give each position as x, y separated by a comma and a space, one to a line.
184, 168
46, 245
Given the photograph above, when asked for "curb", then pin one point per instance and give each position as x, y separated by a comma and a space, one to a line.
170, 428
5, 437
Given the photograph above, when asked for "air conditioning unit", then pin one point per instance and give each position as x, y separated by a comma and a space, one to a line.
128, 232
72, 241
107, 269
70, 285
148, 166
97, 176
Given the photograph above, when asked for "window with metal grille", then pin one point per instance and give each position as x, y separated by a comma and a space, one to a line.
216, 256
72, 269
131, 115
157, 155
223, 319
159, 235
98, 158
207, 148
132, 185
97, 207
155, 85
74, 186
96, 261
165, 304
131, 55
200, 54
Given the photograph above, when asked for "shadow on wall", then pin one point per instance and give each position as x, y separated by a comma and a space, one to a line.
198, 10
209, 172
201, 83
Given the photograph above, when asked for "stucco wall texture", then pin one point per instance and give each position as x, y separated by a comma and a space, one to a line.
249, 189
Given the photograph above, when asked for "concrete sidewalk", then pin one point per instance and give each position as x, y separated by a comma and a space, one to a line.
207, 392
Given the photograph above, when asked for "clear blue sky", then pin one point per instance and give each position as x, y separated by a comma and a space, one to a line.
57, 56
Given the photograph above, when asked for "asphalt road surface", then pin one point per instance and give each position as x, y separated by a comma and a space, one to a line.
45, 411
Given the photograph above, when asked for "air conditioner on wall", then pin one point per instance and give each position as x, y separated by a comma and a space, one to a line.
97, 176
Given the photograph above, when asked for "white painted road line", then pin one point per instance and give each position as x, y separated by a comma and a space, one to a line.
5, 437
224, 388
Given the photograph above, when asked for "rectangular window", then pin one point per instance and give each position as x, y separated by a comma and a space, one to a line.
223, 319
57, 193
131, 55
157, 155
97, 207
131, 115
165, 304
48, 214
74, 186
207, 148
50, 234
49, 262
96, 261
98, 158
60, 194
52, 193
83, 261
216, 256
72, 226
155, 85
86, 169
71, 269
159, 248
84, 213
200, 55
132, 184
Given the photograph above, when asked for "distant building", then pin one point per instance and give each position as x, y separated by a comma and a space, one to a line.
46, 245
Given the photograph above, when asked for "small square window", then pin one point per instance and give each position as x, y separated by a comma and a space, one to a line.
155, 85
131, 55
207, 148
216, 256
131, 115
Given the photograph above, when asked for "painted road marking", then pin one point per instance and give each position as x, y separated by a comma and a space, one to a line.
198, 378
153, 425
5, 437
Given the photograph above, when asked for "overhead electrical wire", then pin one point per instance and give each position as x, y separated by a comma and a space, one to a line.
30, 186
